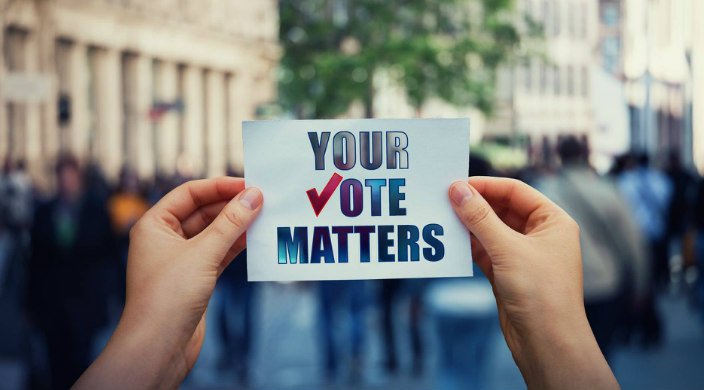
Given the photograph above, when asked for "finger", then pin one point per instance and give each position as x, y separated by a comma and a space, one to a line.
189, 197
201, 218
478, 216
232, 222
521, 198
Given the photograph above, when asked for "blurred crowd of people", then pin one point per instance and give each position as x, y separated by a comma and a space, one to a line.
63, 260
641, 235
62, 264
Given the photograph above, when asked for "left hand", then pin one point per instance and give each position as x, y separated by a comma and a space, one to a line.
178, 249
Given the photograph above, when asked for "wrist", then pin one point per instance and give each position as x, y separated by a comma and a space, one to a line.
563, 353
157, 352
138, 356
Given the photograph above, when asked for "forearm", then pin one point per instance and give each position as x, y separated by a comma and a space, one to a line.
566, 356
136, 358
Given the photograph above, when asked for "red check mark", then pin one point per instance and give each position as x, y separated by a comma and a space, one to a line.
319, 201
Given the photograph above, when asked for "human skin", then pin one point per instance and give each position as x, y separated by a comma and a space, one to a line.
529, 250
527, 246
177, 251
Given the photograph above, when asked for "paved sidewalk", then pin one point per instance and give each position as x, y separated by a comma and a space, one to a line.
287, 353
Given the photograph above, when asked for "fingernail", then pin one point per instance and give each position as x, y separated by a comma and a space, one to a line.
251, 198
461, 193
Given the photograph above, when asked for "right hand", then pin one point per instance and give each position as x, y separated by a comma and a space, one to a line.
529, 250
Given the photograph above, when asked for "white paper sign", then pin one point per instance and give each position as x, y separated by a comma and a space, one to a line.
356, 199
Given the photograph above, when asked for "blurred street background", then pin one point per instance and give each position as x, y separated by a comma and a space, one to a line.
106, 105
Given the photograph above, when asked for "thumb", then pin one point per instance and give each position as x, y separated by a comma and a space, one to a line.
477, 215
232, 222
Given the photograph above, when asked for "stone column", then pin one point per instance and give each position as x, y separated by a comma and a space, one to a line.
14, 57
78, 91
236, 106
32, 137
215, 122
4, 135
193, 118
48, 142
698, 86
108, 142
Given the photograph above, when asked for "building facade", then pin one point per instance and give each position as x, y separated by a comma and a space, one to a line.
157, 85
698, 86
658, 53
550, 95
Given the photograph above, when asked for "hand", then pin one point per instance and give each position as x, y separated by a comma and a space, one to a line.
529, 250
178, 249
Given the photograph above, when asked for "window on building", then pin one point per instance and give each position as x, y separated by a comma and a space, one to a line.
528, 76
570, 80
128, 108
14, 53
206, 126
571, 20
154, 127
636, 131
62, 53
583, 19
610, 14
545, 17
556, 16
585, 81
543, 77
92, 58
229, 147
556, 80
611, 54
180, 92
155, 80
14, 49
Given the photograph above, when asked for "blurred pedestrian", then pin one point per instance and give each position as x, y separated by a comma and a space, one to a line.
236, 316
392, 292
15, 195
680, 207
162, 185
126, 205
698, 223
235, 307
95, 184
621, 163
614, 254
72, 251
16, 212
16, 209
648, 193
347, 298
388, 290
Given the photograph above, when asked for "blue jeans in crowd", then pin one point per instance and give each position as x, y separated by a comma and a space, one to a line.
350, 296
699, 247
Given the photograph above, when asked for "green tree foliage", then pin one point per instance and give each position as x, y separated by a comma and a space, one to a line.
450, 49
